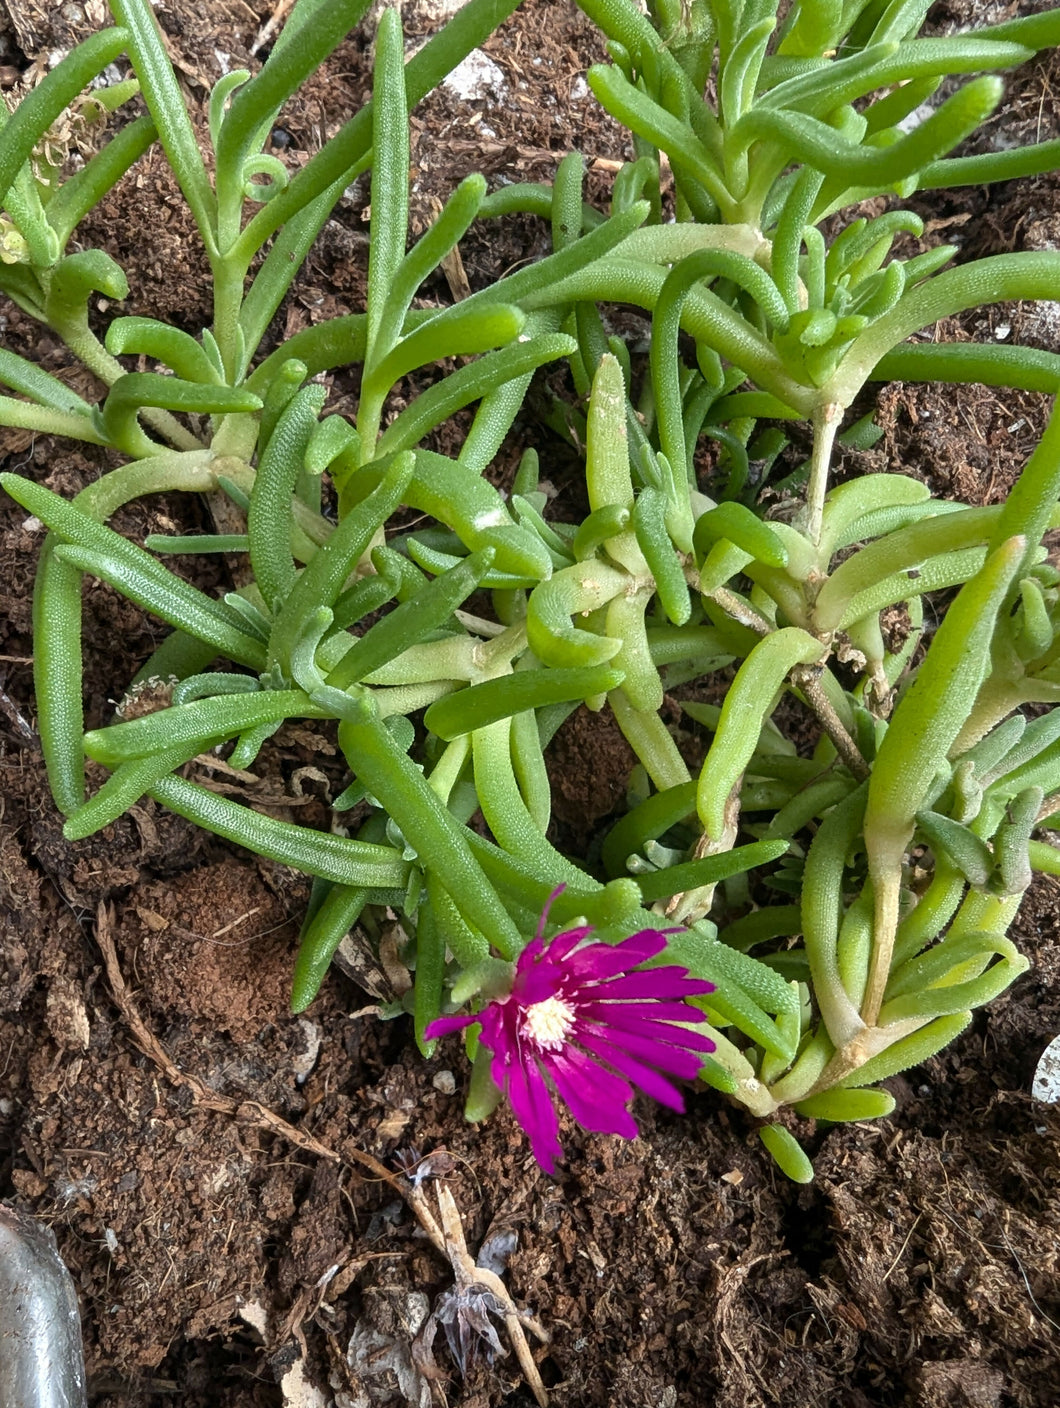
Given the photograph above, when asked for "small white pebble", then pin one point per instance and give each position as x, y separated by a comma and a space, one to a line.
476, 76
254, 1314
445, 1082
1002, 331
1046, 1084
304, 1062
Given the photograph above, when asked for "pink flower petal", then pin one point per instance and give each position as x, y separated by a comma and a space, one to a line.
533, 1108
666, 1033
442, 1026
675, 1060
596, 961
498, 1025
600, 1084
530, 955
653, 984
535, 986
649, 1081
564, 944
597, 1098
624, 1011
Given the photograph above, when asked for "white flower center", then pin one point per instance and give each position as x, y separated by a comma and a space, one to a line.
547, 1023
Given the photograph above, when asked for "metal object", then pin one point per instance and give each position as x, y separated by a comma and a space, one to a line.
42, 1362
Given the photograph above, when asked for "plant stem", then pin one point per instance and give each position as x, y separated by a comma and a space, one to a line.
650, 739
826, 418
88, 349
807, 679
886, 873
741, 611
227, 302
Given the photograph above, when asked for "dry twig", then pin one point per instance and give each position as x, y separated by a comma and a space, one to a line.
467, 1272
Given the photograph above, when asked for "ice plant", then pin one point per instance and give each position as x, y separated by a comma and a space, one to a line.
585, 1023
449, 654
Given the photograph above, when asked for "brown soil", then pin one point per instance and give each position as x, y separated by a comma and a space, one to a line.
206, 1159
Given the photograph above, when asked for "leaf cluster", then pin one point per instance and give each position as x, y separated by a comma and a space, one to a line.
901, 847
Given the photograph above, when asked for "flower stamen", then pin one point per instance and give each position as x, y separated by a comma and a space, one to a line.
548, 1023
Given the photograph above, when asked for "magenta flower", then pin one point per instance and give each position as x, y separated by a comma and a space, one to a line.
581, 1024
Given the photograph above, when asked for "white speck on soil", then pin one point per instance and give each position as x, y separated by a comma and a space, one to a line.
477, 76
1046, 1084
304, 1061
298, 1391
431, 13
